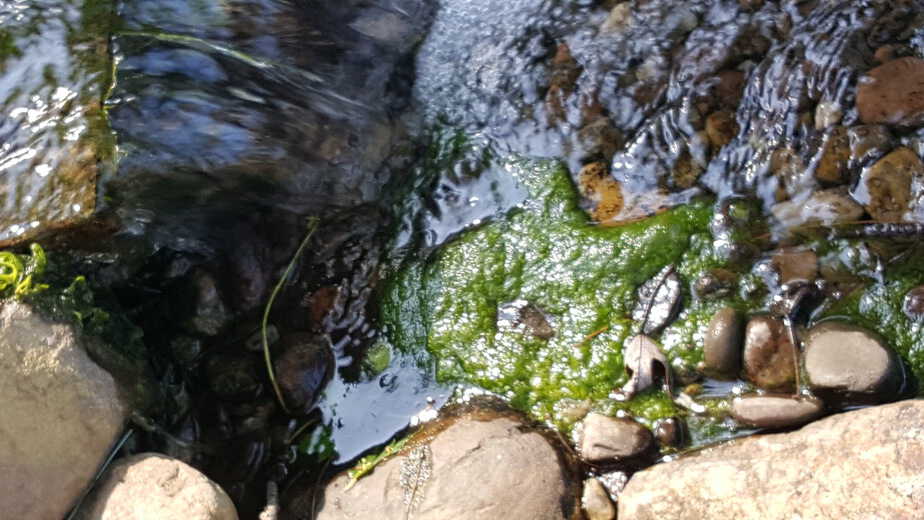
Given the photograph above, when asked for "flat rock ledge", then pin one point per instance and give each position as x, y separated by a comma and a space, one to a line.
866, 463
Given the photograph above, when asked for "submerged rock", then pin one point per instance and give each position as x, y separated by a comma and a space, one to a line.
155, 487
477, 469
890, 93
861, 464
609, 439
885, 188
61, 415
595, 502
769, 355
795, 264
775, 411
826, 207
304, 367
723, 344
208, 314
851, 362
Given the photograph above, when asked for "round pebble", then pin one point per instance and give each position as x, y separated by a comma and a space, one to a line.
769, 356
608, 439
722, 345
852, 362
775, 411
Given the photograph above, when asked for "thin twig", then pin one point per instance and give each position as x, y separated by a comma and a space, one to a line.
312, 226
99, 473
591, 336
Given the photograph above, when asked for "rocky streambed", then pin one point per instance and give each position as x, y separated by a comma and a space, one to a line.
467, 260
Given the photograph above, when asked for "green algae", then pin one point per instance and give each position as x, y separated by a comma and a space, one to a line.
583, 277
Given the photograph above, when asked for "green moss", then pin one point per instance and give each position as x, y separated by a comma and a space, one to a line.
584, 277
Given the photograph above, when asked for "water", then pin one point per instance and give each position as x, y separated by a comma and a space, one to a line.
54, 141
396, 121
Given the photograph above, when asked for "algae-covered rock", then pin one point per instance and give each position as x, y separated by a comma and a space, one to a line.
586, 280
56, 72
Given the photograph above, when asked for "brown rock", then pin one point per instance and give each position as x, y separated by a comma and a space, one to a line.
885, 188
608, 439
721, 128
913, 304
722, 344
890, 94
599, 139
730, 87
795, 264
596, 184
769, 355
832, 168
868, 143
775, 411
861, 464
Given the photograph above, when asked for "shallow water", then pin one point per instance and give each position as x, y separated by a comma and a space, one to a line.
405, 126
54, 139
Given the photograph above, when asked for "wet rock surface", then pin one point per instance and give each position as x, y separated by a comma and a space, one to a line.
304, 367
864, 463
722, 345
526, 480
889, 93
155, 487
769, 354
913, 303
609, 439
62, 413
851, 362
885, 189
775, 411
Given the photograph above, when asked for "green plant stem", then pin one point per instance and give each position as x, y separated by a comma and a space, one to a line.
312, 226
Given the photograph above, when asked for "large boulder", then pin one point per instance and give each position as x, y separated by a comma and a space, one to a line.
477, 469
61, 415
151, 486
862, 464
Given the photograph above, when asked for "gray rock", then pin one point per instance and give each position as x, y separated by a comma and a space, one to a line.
851, 361
595, 501
775, 411
723, 344
209, 313
152, 486
861, 464
608, 439
769, 355
61, 415
478, 469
